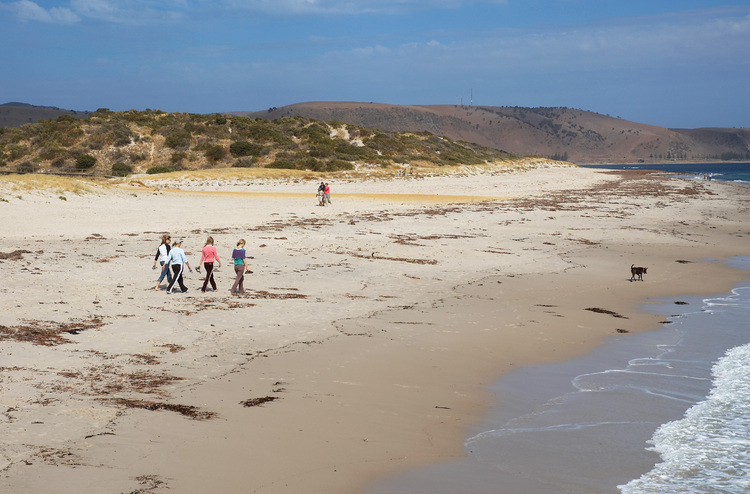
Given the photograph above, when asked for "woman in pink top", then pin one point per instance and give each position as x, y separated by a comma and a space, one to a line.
208, 256
327, 194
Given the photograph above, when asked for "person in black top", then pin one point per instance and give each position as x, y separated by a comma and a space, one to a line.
162, 255
321, 189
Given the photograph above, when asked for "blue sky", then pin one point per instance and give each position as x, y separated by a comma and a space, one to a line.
674, 63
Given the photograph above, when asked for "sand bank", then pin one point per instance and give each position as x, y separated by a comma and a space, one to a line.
366, 339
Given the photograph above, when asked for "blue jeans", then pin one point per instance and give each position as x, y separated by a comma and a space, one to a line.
164, 272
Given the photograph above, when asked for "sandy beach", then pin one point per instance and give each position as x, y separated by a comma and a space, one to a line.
368, 335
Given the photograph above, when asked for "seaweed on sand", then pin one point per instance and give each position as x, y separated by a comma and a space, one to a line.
256, 402
186, 410
47, 333
605, 311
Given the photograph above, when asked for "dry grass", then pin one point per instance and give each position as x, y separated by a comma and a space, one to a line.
229, 174
15, 184
421, 168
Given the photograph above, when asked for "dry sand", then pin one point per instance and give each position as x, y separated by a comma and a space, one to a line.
367, 335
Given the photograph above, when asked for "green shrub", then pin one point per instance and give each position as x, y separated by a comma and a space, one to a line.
339, 165
285, 156
159, 169
215, 153
315, 133
178, 157
321, 151
313, 164
244, 148
96, 141
380, 142
241, 122
85, 162
120, 169
245, 163
25, 167
50, 153
284, 164
218, 132
120, 134
264, 132
135, 157
17, 151
68, 136
180, 141
32, 130
174, 132
349, 151
357, 132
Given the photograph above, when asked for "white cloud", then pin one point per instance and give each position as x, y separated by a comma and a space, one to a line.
120, 12
152, 11
677, 50
130, 11
27, 10
349, 7
709, 38
98, 9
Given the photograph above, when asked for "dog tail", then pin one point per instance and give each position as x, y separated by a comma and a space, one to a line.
632, 266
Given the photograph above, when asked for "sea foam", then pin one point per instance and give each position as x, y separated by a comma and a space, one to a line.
708, 450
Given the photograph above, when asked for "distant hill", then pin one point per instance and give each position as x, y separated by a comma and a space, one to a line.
559, 133
152, 141
16, 114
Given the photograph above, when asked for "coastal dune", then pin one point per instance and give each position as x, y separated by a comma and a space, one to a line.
368, 335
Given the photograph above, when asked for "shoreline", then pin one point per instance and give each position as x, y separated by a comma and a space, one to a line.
377, 390
522, 395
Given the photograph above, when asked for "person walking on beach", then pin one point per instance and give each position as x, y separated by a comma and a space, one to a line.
162, 256
208, 256
327, 194
240, 268
177, 260
321, 189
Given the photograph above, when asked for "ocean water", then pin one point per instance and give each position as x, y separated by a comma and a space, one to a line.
708, 449
723, 171
657, 412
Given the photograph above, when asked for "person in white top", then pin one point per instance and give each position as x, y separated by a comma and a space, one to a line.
162, 256
177, 260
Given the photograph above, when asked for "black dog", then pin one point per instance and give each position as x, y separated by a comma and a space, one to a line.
637, 271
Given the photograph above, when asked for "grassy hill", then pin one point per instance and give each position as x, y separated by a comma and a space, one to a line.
559, 133
106, 142
143, 140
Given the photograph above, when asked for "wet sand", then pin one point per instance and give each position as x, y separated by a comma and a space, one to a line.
368, 336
